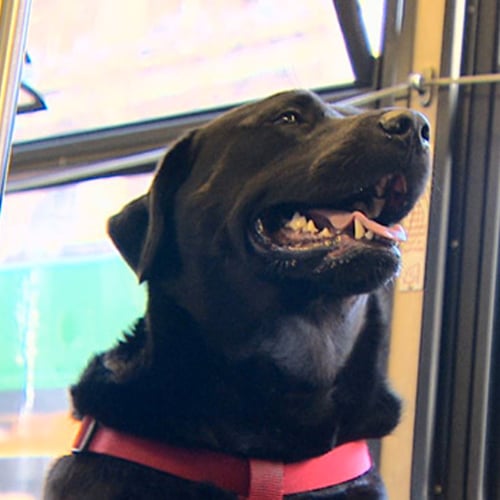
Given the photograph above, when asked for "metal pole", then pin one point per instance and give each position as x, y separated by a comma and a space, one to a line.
14, 15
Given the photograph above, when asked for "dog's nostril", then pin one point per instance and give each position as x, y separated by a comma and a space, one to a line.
404, 123
425, 132
397, 122
401, 126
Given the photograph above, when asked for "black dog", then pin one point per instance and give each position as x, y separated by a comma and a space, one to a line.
267, 241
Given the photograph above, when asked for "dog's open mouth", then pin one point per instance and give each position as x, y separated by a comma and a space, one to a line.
367, 218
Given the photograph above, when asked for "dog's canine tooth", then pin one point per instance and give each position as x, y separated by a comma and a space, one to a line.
359, 230
311, 226
325, 233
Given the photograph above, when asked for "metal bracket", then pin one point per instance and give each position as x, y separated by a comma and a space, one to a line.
429, 82
420, 83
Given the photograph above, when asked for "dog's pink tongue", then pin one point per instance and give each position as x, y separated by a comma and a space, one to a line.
341, 220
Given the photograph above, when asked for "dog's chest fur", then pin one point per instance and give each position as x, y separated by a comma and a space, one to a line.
278, 397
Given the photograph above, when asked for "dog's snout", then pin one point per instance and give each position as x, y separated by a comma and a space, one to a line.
405, 123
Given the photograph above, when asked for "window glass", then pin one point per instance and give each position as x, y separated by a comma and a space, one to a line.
101, 62
61, 279
373, 12
66, 294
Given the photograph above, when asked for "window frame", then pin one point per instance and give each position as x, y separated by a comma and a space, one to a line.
453, 456
136, 147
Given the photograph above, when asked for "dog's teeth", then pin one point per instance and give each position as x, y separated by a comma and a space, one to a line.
297, 222
311, 227
369, 235
359, 230
325, 233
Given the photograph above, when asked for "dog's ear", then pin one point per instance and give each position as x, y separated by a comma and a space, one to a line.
145, 224
127, 230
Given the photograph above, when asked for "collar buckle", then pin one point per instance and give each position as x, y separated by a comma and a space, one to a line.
85, 435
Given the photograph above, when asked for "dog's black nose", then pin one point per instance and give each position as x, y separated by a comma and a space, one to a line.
405, 123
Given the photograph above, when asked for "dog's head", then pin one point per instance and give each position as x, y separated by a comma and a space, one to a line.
288, 190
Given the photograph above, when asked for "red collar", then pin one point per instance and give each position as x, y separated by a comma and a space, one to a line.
249, 478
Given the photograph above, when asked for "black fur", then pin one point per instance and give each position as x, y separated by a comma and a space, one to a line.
243, 350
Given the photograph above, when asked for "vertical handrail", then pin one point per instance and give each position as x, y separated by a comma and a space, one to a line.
14, 15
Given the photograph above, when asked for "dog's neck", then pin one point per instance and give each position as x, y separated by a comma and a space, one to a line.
283, 414
241, 326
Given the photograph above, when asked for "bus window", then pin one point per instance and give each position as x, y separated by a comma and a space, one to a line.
66, 294
166, 58
102, 72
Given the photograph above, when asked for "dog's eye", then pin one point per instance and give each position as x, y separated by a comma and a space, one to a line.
288, 118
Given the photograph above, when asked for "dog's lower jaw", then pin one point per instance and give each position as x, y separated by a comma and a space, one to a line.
355, 273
